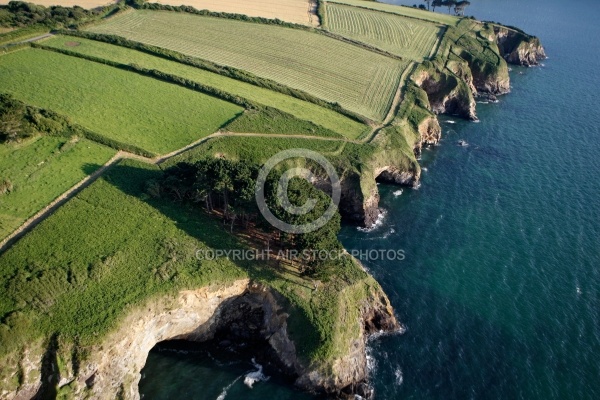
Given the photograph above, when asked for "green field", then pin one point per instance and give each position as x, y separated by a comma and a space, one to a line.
437, 17
254, 149
301, 109
360, 80
273, 121
156, 116
113, 247
40, 170
103, 251
405, 37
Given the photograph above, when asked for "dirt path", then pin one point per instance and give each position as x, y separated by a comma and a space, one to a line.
56, 203
44, 213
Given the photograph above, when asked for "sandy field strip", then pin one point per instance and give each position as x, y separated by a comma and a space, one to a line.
297, 11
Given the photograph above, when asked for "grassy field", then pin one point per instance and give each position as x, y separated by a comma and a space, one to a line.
296, 11
301, 109
104, 251
405, 37
437, 17
40, 170
271, 120
113, 247
361, 81
253, 149
154, 115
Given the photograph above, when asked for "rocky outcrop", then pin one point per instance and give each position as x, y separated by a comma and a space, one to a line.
349, 374
447, 93
239, 312
519, 48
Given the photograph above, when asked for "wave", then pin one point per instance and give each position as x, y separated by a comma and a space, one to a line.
397, 193
226, 388
377, 224
399, 376
255, 376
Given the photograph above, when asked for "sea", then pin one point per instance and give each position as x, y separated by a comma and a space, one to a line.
499, 290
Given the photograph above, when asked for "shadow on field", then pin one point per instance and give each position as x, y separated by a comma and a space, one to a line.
133, 180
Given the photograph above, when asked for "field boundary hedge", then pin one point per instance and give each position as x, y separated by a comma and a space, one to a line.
156, 74
229, 72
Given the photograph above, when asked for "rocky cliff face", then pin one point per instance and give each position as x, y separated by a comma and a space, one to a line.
241, 311
473, 66
518, 48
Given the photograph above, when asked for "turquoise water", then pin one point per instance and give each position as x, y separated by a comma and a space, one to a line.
500, 289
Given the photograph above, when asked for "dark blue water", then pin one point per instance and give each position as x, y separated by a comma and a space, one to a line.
500, 289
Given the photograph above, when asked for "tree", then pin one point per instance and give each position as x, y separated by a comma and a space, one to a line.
428, 3
318, 244
449, 4
13, 120
459, 8
436, 3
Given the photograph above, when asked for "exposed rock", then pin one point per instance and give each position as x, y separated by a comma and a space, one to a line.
240, 312
447, 94
519, 48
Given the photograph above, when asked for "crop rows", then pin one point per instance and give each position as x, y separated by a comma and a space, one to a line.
411, 12
321, 66
406, 37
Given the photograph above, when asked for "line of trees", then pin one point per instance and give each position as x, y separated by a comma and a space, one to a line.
459, 6
19, 14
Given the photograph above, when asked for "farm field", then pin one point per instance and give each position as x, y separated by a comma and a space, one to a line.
360, 80
405, 37
297, 11
301, 109
253, 149
436, 17
156, 116
69, 3
81, 268
40, 170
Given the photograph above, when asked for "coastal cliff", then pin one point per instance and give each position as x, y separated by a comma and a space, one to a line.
237, 312
472, 60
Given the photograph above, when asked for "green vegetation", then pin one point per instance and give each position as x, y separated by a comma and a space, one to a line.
22, 34
253, 149
122, 106
102, 253
324, 117
405, 11
271, 120
405, 37
154, 81
19, 14
359, 80
77, 280
40, 170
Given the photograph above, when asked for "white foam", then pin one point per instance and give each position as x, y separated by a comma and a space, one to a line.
399, 376
398, 193
377, 223
226, 388
255, 376
450, 122
424, 169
